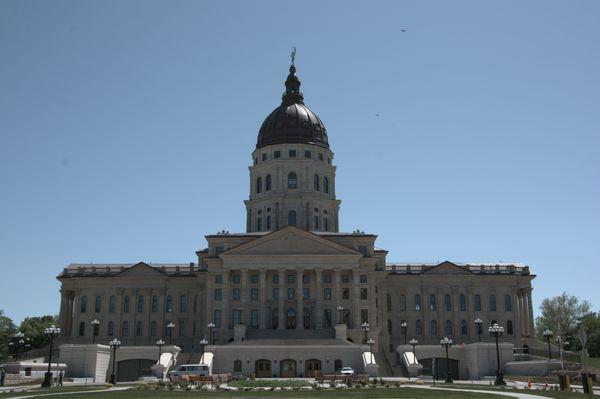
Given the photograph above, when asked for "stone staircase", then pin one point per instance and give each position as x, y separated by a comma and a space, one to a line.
290, 334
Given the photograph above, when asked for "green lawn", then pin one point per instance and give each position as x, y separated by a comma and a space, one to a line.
51, 390
550, 394
593, 362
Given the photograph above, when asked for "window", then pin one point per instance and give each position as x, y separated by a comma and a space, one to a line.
478, 303
292, 180
153, 329
268, 224
418, 302
388, 302
345, 278
448, 328
327, 278
218, 294
507, 303
218, 279
320, 156
264, 157
325, 185
169, 304
254, 279
305, 278
140, 304
258, 224
389, 327
402, 302
364, 315
126, 304
139, 329
258, 185
364, 294
183, 303
292, 153
219, 250
217, 318
110, 331
306, 293
83, 304
291, 293
463, 303
447, 303
254, 318
268, 183
235, 294
509, 327
276, 293
194, 328
125, 329
182, 328
346, 293
254, 294
154, 303
277, 154
292, 218
463, 328
337, 364
432, 304
112, 304
316, 183
98, 304
276, 279
327, 293
316, 222
307, 154
363, 250
492, 303
237, 317
236, 279
433, 328
418, 327
325, 224
237, 366
363, 279
291, 279
82, 329
327, 318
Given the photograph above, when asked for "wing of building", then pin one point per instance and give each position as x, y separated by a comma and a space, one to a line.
293, 295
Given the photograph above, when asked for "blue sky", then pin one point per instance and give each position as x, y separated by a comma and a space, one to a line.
126, 130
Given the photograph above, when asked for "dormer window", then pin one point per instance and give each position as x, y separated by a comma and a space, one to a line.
292, 153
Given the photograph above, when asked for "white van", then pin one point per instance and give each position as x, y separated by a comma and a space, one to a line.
185, 370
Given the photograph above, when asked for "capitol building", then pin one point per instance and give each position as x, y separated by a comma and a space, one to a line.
294, 295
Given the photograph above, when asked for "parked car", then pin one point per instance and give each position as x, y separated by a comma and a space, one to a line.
185, 370
347, 371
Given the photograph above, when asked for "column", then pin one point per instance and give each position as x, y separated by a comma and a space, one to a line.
299, 300
262, 292
338, 295
207, 310
226, 305
530, 312
281, 302
356, 298
319, 298
244, 297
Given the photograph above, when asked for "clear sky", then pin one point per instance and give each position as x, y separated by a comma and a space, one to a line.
126, 129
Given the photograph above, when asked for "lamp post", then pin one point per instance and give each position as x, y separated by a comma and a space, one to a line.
365, 327
414, 343
114, 345
170, 328
371, 342
479, 326
403, 329
340, 309
203, 344
95, 327
496, 331
446, 343
18, 344
160, 344
51, 331
548, 334
211, 327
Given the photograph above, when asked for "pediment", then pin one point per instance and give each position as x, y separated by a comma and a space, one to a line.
447, 268
141, 269
290, 241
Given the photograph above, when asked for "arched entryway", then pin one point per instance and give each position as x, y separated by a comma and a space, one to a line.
262, 368
290, 320
133, 369
287, 368
311, 366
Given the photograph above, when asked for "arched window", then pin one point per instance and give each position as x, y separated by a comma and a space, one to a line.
183, 303
463, 328
169, 304
492, 303
433, 328
478, 303
418, 327
292, 180
509, 327
448, 328
82, 329
316, 183
140, 304
153, 330
447, 303
110, 330
126, 304
125, 329
154, 303
507, 303
258, 185
112, 304
417, 302
139, 329
432, 302
402, 302
83, 304
325, 185
463, 303
268, 183
292, 218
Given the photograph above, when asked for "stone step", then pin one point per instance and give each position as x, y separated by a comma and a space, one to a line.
290, 334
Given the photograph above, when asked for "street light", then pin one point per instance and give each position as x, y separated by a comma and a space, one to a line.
414, 343
497, 331
160, 344
51, 331
403, 328
548, 334
95, 327
114, 345
170, 328
479, 324
211, 327
340, 309
371, 342
365, 327
203, 343
447, 343
18, 344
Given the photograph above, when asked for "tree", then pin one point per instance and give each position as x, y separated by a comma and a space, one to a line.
562, 314
33, 327
7, 329
591, 326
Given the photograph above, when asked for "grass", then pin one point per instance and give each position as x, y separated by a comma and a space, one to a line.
50, 390
548, 393
593, 362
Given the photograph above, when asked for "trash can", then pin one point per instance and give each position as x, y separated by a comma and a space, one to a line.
586, 381
564, 381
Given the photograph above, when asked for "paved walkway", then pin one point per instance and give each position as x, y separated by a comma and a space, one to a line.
40, 394
518, 395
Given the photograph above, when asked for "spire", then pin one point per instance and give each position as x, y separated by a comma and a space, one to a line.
292, 93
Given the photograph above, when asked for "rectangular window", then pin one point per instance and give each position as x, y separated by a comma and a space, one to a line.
140, 304
388, 302
507, 303
305, 293
275, 293
292, 153
291, 279
219, 250
492, 303
418, 302
276, 279
305, 279
154, 303
402, 302
307, 154
327, 293
327, 278
291, 293
363, 279
126, 304
345, 279
389, 327
237, 317
98, 304
254, 279
218, 294
217, 318
264, 157
254, 318
320, 156
254, 294
236, 279
218, 279
478, 303
364, 315
112, 304
235, 294
363, 294
463, 303
327, 318
182, 328
277, 154
183, 303
346, 293
432, 302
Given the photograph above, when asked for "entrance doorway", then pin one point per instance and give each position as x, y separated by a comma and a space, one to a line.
287, 368
290, 322
312, 366
262, 368
133, 369
439, 364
